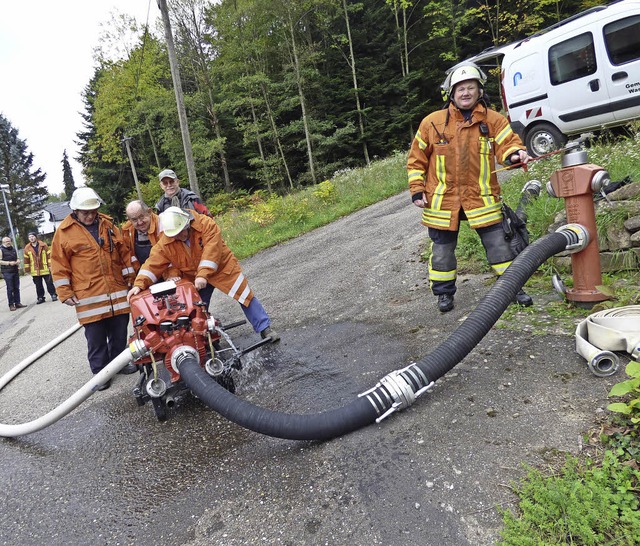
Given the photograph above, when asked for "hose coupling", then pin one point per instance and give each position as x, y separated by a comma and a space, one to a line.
604, 364
181, 354
400, 388
138, 349
577, 237
214, 367
156, 388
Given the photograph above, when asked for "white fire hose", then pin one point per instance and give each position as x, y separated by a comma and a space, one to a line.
601, 333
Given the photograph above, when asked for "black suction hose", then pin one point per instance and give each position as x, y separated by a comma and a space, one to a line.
462, 341
395, 391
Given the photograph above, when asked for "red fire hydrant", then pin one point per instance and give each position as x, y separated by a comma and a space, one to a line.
576, 182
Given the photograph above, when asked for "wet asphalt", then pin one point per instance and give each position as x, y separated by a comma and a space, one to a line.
351, 302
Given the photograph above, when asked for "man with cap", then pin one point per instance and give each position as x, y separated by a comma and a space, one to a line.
141, 231
10, 267
37, 258
92, 272
175, 196
191, 247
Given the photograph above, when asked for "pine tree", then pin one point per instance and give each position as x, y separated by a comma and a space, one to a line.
67, 176
26, 193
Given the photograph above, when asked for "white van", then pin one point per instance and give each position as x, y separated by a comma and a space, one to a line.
578, 75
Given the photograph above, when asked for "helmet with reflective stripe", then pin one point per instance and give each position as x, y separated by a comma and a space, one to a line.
174, 220
459, 73
85, 198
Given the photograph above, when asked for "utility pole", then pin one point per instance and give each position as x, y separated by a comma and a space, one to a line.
133, 167
4, 188
177, 87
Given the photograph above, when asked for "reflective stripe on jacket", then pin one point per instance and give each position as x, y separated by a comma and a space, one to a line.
451, 161
207, 256
37, 263
97, 276
129, 236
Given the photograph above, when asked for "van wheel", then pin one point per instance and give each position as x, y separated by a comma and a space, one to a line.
544, 138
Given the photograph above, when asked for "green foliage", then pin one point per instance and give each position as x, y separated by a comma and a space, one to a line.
268, 221
325, 192
582, 504
26, 193
631, 390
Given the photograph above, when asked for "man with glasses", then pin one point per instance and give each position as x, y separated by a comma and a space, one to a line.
141, 231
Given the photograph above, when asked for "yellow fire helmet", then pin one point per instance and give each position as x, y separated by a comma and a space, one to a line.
174, 220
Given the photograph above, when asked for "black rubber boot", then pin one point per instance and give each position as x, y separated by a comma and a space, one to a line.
445, 302
524, 299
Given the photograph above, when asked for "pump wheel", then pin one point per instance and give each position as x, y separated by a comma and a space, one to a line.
160, 408
544, 138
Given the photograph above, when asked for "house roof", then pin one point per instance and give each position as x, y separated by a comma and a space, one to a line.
58, 211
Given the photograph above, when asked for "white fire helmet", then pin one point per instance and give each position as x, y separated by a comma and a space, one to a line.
460, 73
174, 220
85, 198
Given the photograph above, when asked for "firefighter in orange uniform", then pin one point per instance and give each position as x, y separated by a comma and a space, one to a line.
92, 272
450, 169
140, 232
191, 247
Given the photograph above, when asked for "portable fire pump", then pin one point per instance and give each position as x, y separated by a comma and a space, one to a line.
172, 320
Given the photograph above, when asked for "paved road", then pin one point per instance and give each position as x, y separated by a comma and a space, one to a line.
351, 302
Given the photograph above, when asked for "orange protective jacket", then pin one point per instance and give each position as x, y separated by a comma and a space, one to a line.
37, 263
452, 161
129, 236
99, 276
206, 255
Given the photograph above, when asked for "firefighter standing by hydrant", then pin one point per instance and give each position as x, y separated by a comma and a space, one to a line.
450, 169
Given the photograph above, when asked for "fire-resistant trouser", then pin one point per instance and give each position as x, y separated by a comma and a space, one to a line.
254, 312
443, 263
106, 339
37, 280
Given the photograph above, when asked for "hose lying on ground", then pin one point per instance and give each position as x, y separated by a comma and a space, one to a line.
91, 386
400, 388
616, 329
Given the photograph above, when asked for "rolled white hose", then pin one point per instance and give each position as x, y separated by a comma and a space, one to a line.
106, 374
616, 329
6, 378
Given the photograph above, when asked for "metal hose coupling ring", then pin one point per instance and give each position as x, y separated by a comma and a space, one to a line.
577, 237
400, 388
182, 353
138, 349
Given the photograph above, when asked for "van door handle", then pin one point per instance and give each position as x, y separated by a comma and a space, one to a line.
594, 85
619, 76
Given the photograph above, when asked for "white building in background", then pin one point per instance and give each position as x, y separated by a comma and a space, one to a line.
52, 216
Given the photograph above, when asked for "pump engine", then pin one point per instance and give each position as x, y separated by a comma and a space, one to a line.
172, 320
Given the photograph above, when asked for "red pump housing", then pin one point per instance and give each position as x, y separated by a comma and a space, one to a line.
166, 318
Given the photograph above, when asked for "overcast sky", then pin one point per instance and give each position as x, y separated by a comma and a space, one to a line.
46, 61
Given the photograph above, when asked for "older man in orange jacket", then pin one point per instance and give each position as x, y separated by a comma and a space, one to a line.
92, 272
192, 247
140, 232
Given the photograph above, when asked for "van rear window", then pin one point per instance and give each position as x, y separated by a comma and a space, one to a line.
622, 39
572, 59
